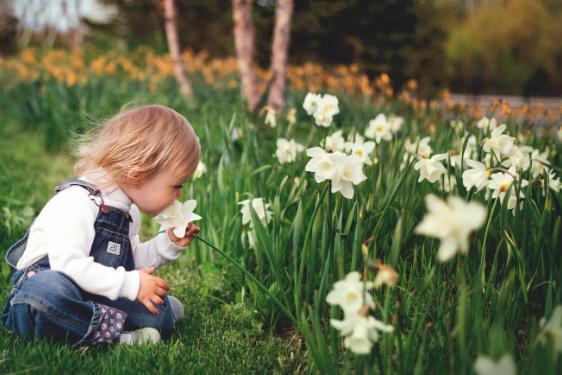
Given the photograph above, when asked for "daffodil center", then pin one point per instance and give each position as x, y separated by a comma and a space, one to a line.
504, 186
351, 297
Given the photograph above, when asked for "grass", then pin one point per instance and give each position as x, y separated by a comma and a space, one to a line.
217, 336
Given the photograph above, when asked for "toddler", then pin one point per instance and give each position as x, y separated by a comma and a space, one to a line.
81, 274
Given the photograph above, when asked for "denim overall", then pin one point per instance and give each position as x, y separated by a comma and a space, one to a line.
48, 304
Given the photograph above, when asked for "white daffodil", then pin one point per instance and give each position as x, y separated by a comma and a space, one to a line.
311, 103
360, 149
349, 172
329, 105
355, 137
451, 221
471, 144
334, 142
322, 108
520, 157
448, 184
395, 122
487, 160
343, 170
379, 128
431, 169
321, 164
235, 134
477, 176
351, 293
500, 144
470, 150
539, 159
487, 123
346, 325
487, 366
323, 119
261, 208
365, 332
553, 182
200, 170
457, 125
251, 238
287, 150
420, 147
455, 159
178, 216
291, 116
552, 330
499, 185
270, 116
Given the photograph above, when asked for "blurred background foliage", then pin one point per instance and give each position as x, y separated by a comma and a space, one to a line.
470, 46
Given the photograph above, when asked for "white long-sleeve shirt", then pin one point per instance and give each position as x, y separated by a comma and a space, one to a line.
64, 230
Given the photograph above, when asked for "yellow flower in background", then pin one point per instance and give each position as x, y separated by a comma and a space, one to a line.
292, 116
270, 116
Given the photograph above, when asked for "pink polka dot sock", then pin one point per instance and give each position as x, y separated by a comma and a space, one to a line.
111, 324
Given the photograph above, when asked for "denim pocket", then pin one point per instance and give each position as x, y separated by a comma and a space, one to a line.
20, 277
110, 248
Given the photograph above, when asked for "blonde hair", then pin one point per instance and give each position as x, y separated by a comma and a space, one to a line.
134, 145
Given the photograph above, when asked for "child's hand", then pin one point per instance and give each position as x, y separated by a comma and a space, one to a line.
190, 232
152, 289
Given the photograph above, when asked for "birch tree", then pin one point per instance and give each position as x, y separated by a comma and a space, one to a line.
174, 48
244, 43
280, 53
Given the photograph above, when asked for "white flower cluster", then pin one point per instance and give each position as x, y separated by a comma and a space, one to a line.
287, 150
341, 169
500, 150
360, 329
383, 128
356, 146
339, 161
322, 108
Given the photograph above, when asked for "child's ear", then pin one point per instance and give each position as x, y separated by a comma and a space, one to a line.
134, 175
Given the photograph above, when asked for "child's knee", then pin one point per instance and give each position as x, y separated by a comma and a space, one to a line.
48, 287
164, 321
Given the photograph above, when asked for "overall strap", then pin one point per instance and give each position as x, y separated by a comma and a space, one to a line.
86, 185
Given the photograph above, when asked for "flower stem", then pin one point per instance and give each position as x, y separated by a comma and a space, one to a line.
483, 248
258, 283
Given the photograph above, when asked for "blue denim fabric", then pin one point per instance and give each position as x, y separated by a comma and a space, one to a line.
48, 304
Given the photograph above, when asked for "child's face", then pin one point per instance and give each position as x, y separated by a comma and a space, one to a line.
156, 193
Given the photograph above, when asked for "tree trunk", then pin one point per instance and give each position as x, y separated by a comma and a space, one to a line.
244, 42
279, 53
77, 37
174, 47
